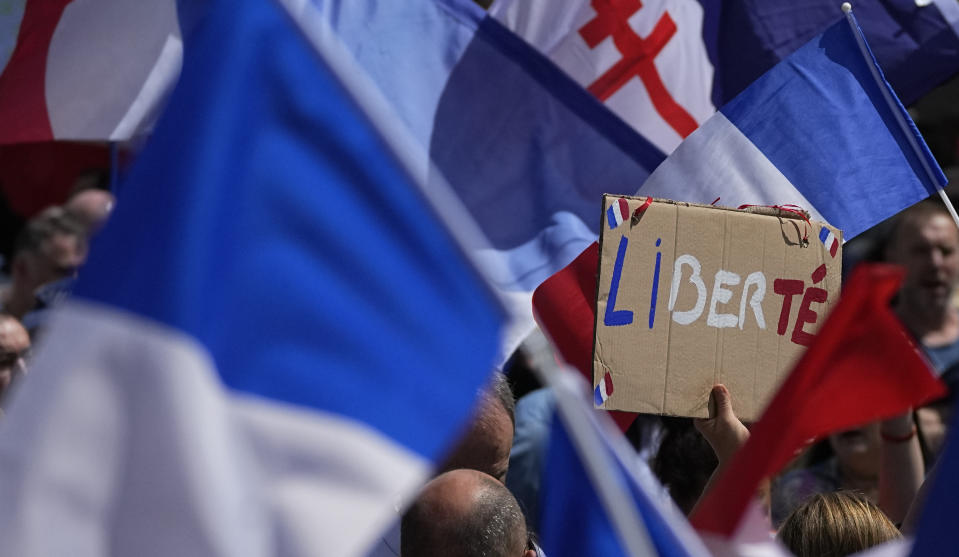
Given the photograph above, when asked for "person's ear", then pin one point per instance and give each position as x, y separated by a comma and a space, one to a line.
530, 553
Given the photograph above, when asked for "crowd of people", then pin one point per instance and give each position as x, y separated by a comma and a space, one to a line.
851, 491
39, 273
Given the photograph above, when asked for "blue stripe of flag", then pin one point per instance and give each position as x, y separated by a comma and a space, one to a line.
273, 275
560, 142
823, 234
826, 94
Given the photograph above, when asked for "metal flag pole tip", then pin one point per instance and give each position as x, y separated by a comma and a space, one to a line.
846, 7
949, 206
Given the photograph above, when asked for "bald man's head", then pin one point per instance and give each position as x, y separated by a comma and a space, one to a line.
14, 343
466, 513
91, 207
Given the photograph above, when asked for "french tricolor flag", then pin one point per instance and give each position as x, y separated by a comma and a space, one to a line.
776, 142
617, 212
605, 387
829, 240
186, 430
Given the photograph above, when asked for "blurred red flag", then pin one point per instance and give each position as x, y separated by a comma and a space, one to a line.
565, 307
861, 367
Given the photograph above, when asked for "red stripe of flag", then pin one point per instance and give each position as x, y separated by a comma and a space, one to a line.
608, 380
23, 107
564, 308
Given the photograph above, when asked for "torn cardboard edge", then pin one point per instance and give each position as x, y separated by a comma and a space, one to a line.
780, 211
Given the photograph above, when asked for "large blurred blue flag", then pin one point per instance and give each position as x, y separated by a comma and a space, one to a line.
274, 337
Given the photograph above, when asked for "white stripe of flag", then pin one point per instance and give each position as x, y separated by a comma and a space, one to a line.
829, 240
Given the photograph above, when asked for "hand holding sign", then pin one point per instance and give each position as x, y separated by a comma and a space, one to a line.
726, 435
722, 430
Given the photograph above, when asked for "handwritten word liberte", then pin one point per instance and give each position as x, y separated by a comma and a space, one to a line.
752, 292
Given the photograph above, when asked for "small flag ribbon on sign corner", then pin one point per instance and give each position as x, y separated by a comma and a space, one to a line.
638, 213
617, 212
604, 389
829, 240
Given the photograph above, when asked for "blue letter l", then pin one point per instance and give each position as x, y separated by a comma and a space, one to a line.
614, 318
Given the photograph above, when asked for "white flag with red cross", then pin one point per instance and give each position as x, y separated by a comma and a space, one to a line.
645, 59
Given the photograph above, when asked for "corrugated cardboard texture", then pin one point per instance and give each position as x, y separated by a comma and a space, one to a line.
665, 360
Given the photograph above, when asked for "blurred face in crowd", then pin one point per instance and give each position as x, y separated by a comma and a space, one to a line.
858, 450
928, 247
486, 445
58, 258
14, 343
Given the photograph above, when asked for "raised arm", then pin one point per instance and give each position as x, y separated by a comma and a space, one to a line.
901, 468
725, 434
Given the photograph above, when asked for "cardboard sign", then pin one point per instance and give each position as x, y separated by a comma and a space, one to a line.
693, 295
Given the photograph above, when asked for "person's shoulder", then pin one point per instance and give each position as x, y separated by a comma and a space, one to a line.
944, 355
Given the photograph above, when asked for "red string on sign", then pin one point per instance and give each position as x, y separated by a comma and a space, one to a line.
789, 208
642, 208
638, 213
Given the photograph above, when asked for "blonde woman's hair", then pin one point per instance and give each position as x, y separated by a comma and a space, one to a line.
834, 525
